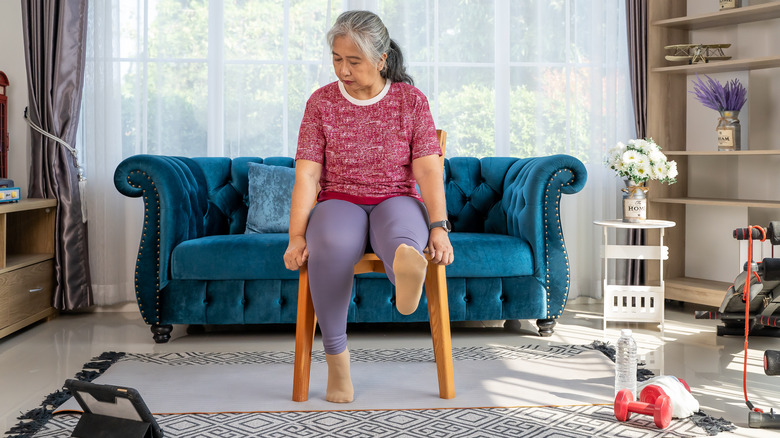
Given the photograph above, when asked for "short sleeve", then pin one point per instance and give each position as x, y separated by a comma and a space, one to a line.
424, 139
311, 138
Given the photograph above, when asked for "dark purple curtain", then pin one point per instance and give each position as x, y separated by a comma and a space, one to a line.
636, 12
54, 40
636, 16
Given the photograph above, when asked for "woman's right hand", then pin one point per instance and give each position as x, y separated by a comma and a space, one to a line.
296, 254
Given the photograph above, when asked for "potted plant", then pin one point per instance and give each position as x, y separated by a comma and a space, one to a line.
637, 162
728, 100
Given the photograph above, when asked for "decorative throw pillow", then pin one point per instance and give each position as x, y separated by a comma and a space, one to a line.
270, 190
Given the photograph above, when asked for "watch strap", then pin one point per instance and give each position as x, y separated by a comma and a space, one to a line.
444, 224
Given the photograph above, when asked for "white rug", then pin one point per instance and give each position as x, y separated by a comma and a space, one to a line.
530, 391
173, 383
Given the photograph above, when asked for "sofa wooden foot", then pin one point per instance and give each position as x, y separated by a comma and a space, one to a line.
161, 333
545, 327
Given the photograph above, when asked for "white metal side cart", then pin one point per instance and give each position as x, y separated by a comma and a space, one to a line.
635, 303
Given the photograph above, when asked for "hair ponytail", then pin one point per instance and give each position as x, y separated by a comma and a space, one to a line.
395, 70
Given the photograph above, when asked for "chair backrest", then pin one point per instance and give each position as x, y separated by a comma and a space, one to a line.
442, 135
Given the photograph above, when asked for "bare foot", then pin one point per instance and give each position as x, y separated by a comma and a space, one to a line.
339, 381
409, 268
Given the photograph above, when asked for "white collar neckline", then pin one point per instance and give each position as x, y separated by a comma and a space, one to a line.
365, 102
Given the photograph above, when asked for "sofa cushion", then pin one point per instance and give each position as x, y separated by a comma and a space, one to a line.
270, 190
232, 257
490, 255
259, 257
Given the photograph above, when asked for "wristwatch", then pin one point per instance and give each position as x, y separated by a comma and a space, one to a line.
447, 225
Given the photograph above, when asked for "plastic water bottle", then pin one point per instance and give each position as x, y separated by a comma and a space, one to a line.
625, 363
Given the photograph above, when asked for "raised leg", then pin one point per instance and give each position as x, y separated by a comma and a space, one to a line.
545, 327
161, 333
398, 234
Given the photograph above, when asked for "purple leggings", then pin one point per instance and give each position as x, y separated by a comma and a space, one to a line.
336, 238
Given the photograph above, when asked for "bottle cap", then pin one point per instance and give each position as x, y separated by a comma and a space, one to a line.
625, 332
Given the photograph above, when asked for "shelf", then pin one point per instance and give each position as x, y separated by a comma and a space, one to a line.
722, 66
713, 153
671, 24
27, 204
636, 252
22, 260
747, 14
27, 282
696, 290
719, 202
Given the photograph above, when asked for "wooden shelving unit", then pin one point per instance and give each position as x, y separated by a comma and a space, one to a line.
669, 24
26, 263
732, 17
758, 152
722, 66
757, 203
696, 290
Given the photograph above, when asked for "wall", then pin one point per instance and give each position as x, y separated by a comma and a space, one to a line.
12, 63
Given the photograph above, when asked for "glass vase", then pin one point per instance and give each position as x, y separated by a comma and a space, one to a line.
729, 131
634, 202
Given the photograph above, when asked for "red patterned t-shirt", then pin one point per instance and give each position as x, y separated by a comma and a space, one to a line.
366, 147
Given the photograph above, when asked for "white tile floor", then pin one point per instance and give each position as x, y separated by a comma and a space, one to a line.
35, 361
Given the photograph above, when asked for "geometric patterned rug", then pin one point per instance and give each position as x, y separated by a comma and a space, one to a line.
558, 422
548, 421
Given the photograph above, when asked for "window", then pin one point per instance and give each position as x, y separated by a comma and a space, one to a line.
213, 78
232, 78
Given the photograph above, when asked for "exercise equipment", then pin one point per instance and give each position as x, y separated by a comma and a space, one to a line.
661, 410
752, 302
767, 420
758, 284
772, 362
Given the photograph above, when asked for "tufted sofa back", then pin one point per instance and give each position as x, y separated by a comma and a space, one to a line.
227, 189
474, 188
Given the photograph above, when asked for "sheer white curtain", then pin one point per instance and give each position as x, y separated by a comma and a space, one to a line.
213, 78
115, 221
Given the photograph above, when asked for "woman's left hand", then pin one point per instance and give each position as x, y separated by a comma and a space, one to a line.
439, 247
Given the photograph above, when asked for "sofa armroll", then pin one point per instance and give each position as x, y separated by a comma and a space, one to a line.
531, 200
174, 195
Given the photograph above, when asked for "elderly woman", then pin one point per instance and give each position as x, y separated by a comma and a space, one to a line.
367, 139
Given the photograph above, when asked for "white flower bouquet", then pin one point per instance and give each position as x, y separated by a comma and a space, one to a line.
641, 160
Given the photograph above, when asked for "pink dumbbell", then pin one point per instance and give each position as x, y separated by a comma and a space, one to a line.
650, 393
661, 410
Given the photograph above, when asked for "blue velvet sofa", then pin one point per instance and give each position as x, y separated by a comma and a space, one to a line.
197, 266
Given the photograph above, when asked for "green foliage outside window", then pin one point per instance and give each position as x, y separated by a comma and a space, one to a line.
550, 106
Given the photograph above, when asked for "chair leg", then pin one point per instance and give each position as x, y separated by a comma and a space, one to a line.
306, 323
439, 314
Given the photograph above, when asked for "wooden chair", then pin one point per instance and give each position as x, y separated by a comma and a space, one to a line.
438, 312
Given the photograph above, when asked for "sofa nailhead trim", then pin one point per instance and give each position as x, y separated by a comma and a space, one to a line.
143, 242
560, 235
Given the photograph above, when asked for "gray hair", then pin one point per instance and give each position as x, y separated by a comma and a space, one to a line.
370, 35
